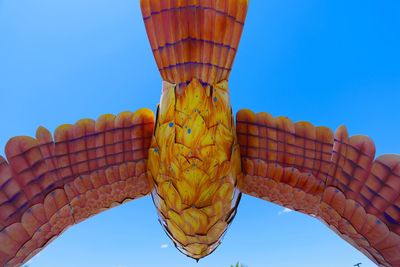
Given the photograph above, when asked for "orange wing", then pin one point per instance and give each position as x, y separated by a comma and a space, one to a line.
330, 176
47, 186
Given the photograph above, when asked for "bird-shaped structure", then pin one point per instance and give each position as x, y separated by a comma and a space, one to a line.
193, 159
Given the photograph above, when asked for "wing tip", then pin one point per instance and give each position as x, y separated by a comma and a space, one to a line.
18, 144
341, 133
146, 113
61, 133
245, 115
390, 160
365, 143
43, 134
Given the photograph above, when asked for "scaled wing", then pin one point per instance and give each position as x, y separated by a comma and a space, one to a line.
330, 176
48, 185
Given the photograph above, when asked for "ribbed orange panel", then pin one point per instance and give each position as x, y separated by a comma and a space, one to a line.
48, 185
282, 161
194, 39
335, 178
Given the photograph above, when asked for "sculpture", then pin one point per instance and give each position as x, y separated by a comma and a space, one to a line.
192, 159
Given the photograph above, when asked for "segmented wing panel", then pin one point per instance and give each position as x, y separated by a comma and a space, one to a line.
48, 185
332, 177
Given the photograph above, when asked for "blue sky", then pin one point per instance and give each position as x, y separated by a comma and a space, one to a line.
328, 62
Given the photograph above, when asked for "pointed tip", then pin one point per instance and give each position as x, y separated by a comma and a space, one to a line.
146, 115
341, 133
61, 133
245, 115
342, 127
43, 134
18, 144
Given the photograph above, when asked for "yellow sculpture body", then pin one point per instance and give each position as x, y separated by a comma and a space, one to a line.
194, 163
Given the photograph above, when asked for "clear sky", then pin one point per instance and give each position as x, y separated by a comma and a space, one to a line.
328, 62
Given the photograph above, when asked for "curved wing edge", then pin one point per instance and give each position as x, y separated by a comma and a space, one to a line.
332, 177
47, 186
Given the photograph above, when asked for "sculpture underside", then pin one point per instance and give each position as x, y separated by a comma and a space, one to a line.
329, 176
49, 185
194, 163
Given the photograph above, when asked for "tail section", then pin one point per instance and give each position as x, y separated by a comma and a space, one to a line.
194, 39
